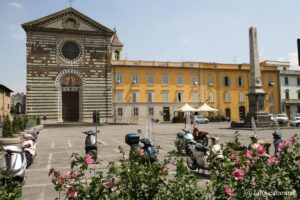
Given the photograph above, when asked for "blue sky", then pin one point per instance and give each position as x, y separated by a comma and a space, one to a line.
164, 30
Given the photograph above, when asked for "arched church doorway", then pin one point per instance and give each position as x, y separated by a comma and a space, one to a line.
70, 98
242, 112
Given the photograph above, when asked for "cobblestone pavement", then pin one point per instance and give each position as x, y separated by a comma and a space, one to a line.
55, 145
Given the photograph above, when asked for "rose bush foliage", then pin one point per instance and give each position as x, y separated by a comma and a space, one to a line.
242, 175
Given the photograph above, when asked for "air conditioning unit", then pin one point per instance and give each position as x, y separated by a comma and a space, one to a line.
195, 83
133, 82
118, 81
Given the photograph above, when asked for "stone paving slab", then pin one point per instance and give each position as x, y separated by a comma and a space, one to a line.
56, 144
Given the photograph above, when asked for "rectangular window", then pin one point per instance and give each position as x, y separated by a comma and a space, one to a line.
227, 97
179, 96
240, 81
195, 96
226, 81
120, 112
286, 80
135, 78
135, 111
179, 80
298, 81
150, 95
211, 97
119, 78
242, 97
135, 96
151, 111
287, 94
210, 80
165, 80
165, 95
150, 79
119, 96
194, 80
271, 82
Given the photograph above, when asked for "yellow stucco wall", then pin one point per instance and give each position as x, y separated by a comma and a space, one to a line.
202, 71
4, 104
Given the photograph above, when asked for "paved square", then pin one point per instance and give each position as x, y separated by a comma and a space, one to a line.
55, 146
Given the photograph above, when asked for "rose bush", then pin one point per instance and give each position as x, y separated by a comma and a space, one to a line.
257, 175
127, 180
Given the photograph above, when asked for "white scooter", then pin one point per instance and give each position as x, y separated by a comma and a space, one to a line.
182, 139
29, 147
13, 166
198, 158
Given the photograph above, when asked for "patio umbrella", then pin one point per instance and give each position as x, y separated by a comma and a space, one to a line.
186, 108
206, 108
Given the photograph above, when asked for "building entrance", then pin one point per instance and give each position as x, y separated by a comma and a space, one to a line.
70, 106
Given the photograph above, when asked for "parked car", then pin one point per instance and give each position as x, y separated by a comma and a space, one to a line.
200, 119
225, 118
282, 118
295, 121
297, 115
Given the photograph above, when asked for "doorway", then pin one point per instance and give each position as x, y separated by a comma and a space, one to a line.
242, 112
166, 113
228, 113
70, 106
288, 111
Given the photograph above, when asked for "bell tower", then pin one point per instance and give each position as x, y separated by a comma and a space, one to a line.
116, 48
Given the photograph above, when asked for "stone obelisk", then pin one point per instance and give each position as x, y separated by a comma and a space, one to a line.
256, 93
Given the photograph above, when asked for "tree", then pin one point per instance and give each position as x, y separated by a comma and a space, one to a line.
7, 127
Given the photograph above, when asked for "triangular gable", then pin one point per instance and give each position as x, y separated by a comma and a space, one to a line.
59, 19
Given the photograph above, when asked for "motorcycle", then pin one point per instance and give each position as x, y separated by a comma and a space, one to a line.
90, 141
145, 148
200, 136
200, 154
13, 167
31, 124
182, 139
276, 140
29, 147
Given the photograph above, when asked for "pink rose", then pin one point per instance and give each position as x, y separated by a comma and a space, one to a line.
228, 190
249, 154
282, 146
140, 151
61, 178
164, 170
292, 140
233, 158
89, 159
72, 193
260, 150
238, 174
273, 160
108, 184
70, 175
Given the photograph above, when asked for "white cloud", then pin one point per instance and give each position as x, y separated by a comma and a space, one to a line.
15, 4
16, 32
293, 59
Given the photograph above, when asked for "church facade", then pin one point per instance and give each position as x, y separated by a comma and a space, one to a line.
68, 68
75, 66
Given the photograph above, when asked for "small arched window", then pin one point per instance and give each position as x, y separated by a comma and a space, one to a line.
117, 55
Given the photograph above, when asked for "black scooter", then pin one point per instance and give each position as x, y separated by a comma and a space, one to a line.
146, 148
90, 141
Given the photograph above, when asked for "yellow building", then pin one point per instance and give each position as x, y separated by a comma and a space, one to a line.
145, 89
4, 102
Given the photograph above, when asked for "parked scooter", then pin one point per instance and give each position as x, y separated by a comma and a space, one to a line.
13, 167
200, 136
31, 124
276, 140
90, 141
29, 147
198, 158
182, 139
146, 148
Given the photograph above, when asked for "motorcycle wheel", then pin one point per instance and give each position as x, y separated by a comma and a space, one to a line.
191, 163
